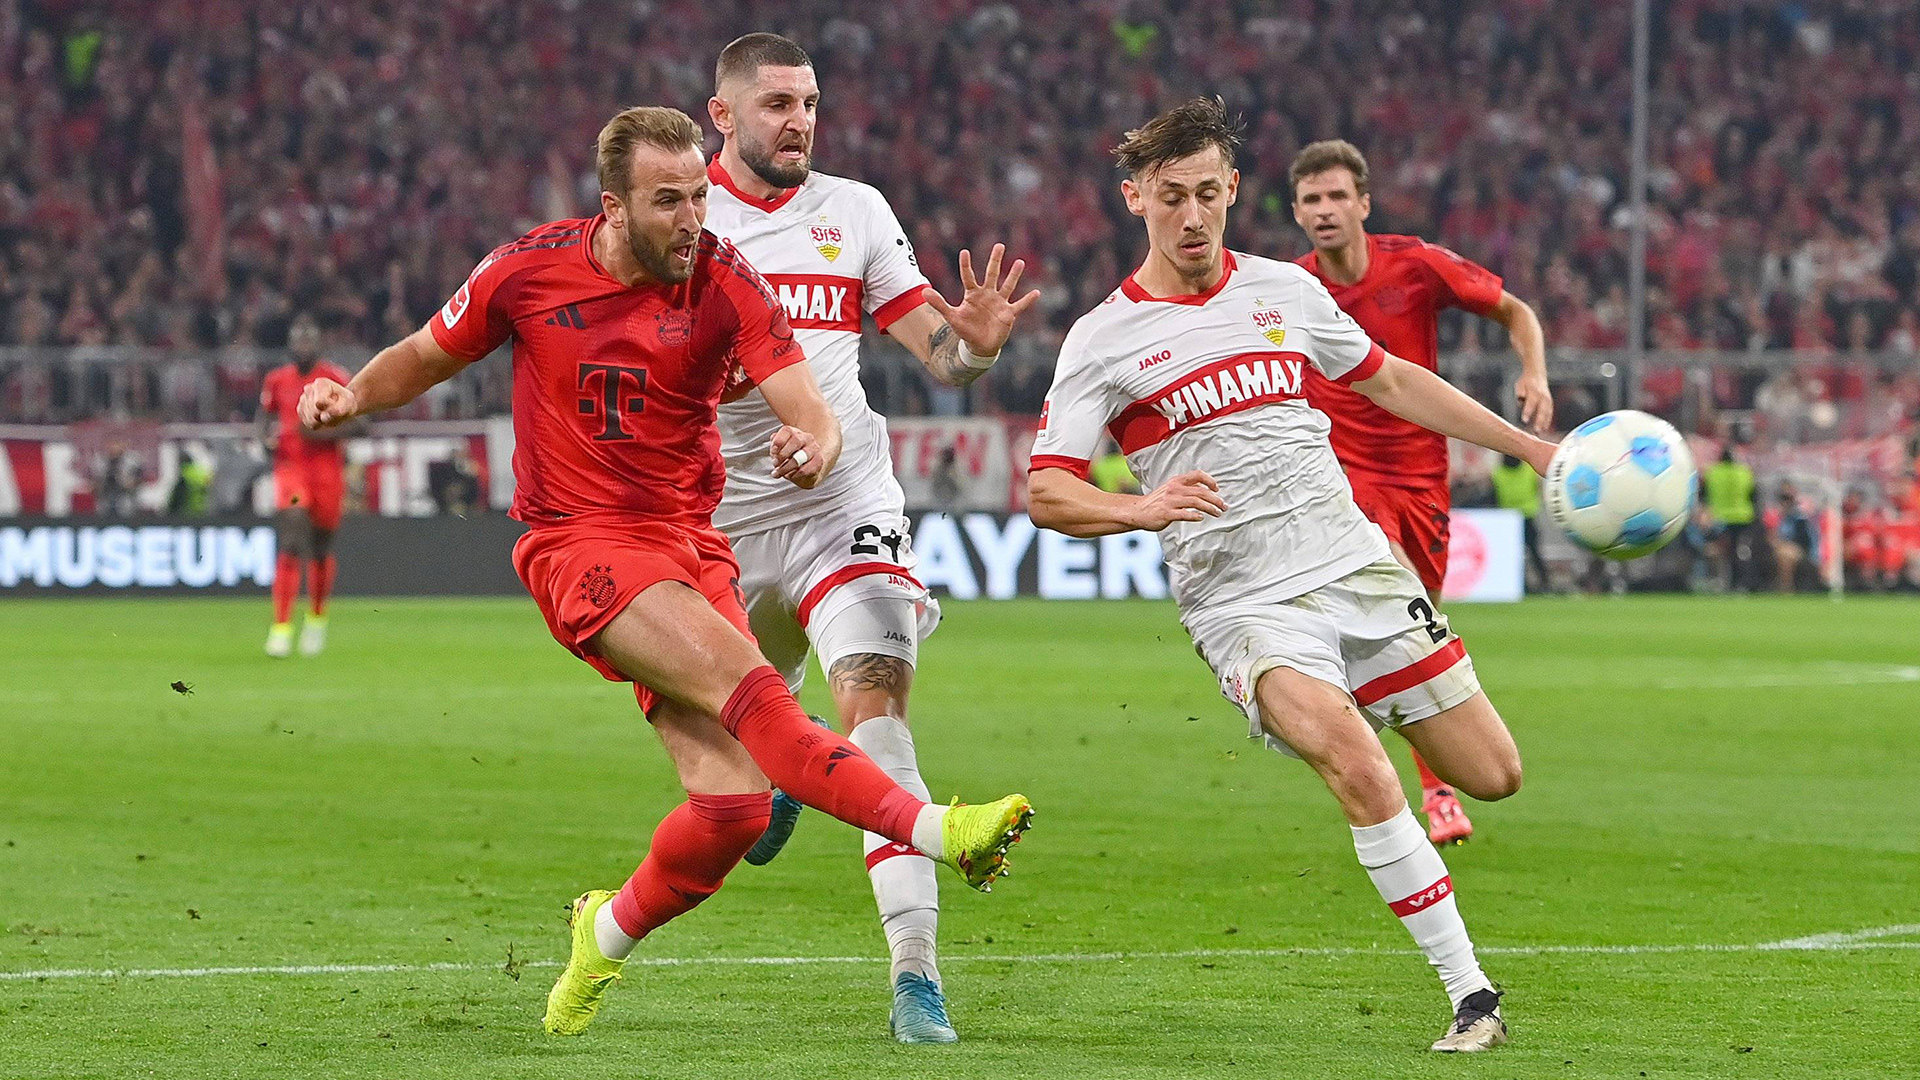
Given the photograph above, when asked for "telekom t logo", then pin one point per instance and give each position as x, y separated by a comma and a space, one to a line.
609, 402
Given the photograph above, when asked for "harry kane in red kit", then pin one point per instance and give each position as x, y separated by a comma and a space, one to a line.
626, 329
1395, 287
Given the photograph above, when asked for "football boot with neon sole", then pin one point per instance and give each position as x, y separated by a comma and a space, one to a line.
1447, 822
280, 640
313, 635
575, 997
976, 838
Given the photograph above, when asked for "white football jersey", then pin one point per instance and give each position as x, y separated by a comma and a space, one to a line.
1213, 382
831, 249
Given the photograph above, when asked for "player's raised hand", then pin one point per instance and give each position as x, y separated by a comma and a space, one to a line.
1536, 402
986, 313
1191, 496
797, 457
325, 403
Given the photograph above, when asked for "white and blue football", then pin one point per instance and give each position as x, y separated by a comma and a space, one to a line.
1622, 484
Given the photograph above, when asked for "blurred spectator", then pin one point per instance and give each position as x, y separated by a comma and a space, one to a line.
1517, 487
191, 487
1731, 498
453, 485
1796, 542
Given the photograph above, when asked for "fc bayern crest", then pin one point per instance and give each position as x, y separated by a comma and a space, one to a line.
674, 327
596, 586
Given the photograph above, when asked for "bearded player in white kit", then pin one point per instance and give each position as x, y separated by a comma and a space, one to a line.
1194, 365
831, 568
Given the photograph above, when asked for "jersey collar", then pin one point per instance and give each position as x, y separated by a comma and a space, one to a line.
719, 176
1137, 294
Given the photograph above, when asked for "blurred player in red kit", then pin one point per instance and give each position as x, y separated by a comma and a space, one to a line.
1395, 287
626, 329
309, 482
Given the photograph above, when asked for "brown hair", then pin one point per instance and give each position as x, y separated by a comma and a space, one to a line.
746, 55
1183, 132
1316, 158
657, 126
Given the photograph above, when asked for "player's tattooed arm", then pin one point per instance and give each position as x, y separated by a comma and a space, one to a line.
944, 359
959, 342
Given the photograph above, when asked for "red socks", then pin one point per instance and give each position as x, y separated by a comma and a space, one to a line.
320, 582
692, 851
286, 586
1428, 781
812, 764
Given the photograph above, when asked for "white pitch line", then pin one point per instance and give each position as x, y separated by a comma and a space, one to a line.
1834, 942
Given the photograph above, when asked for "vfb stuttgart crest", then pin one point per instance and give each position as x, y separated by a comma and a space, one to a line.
828, 240
1268, 322
596, 586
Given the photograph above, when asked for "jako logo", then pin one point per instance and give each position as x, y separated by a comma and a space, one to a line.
1159, 357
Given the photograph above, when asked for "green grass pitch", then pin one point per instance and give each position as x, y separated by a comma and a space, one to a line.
1704, 776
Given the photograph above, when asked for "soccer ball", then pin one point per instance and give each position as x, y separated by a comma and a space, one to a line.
1622, 484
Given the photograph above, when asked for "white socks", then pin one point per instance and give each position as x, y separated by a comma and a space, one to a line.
614, 942
1412, 879
904, 885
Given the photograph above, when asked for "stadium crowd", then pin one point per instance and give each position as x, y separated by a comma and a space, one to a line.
363, 154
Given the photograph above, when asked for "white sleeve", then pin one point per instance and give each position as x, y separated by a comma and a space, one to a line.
1341, 350
1081, 402
893, 278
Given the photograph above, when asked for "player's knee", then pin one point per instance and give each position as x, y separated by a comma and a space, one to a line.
1500, 779
322, 543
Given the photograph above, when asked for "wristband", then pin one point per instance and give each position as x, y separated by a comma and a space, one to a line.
974, 360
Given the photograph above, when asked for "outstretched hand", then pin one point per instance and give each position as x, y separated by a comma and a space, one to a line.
986, 313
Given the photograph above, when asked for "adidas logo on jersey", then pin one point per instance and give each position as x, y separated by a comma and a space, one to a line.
1252, 379
568, 316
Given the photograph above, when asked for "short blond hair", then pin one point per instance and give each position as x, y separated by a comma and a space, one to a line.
655, 125
1316, 158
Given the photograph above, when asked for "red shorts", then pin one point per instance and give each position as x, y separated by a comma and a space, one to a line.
581, 576
317, 489
1414, 518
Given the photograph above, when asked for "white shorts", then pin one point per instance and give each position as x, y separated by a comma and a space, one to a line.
839, 583
1373, 633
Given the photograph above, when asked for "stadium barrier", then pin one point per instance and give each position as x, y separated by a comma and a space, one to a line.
379, 556
1001, 556
966, 556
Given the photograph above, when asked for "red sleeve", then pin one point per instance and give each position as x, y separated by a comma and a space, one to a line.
762, 337
1463, 283
473, 323
268, 386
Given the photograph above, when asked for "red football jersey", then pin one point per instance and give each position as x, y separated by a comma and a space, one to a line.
614, 387
280, 395
1398, 304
